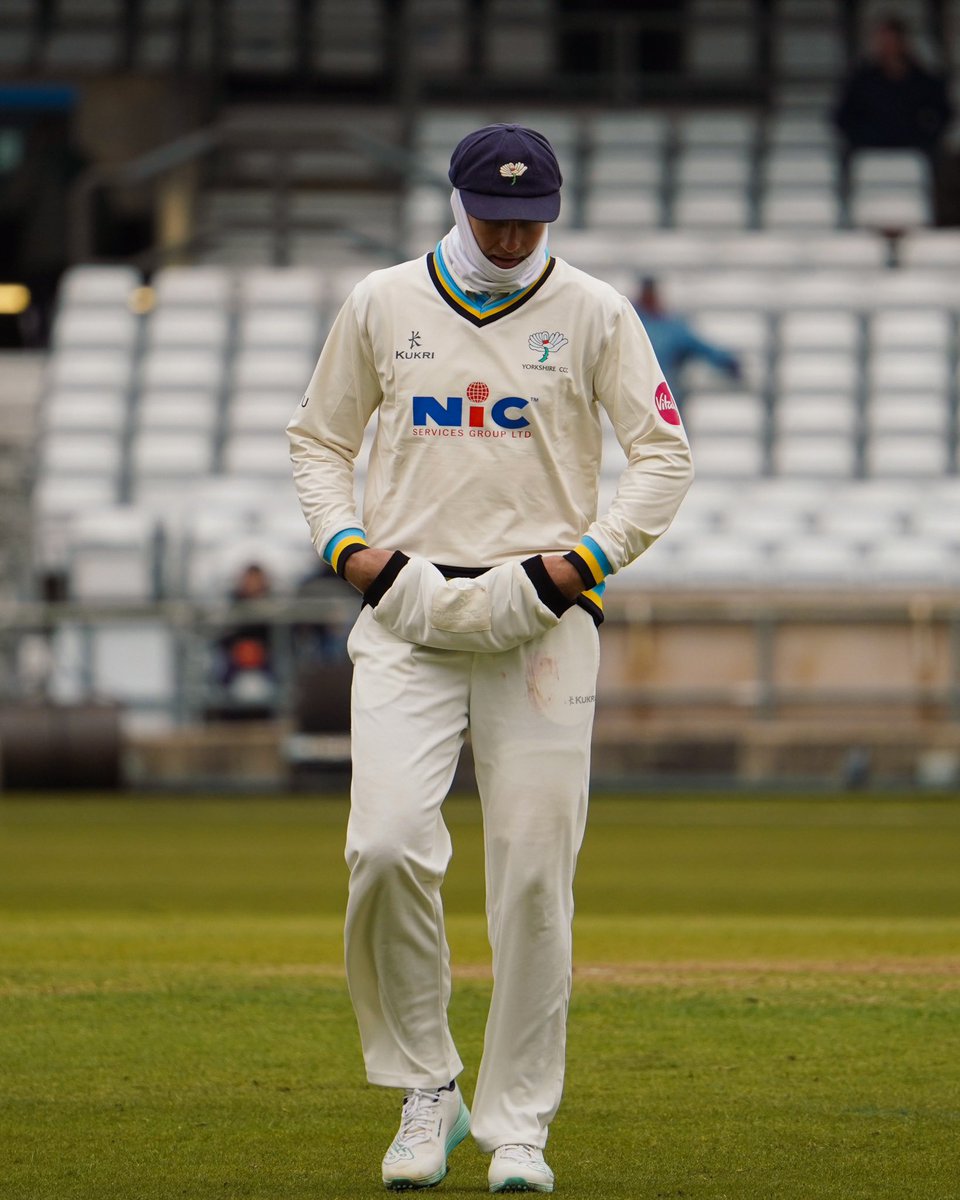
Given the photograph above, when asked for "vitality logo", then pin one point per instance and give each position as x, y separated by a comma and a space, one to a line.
451, 417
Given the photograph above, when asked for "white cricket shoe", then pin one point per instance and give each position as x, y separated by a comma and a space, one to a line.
433, 1122
519, 1168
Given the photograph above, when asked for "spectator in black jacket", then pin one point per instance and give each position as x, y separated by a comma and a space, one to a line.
891, 101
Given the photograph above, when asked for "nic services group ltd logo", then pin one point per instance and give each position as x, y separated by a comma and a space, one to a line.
470, 415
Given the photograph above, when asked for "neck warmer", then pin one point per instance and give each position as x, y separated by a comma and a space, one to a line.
474, 271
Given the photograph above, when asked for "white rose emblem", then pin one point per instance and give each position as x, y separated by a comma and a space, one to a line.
546, 343
513, 171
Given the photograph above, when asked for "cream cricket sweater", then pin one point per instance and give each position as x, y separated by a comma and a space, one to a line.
489, 434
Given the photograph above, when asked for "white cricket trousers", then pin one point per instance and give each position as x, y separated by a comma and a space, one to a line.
530, 712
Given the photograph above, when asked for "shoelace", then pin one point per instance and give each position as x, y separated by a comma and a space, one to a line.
521, 1152
418, 1121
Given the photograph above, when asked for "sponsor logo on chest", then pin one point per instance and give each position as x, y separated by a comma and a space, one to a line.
471, 415
414, 350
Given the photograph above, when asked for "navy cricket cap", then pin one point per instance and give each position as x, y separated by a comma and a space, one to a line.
507, 173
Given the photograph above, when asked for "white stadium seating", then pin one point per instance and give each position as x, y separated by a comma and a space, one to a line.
834, 442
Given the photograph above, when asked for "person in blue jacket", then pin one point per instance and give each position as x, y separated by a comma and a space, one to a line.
674, 341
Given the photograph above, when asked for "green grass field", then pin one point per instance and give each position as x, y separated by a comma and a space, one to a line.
767, 1002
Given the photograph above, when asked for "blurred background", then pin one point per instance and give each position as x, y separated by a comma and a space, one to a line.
188, 191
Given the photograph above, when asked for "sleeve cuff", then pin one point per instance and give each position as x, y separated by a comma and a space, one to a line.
591, 563
338, 550
385, 580
547, 590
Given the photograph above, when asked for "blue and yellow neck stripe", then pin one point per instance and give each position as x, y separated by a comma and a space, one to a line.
476, 311
342, 545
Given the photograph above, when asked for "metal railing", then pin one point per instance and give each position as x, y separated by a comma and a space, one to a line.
909, 639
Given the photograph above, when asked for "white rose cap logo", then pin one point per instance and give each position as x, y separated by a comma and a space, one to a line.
513, 171
547, 343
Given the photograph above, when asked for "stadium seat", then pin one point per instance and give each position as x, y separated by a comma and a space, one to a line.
193, 287
706, 168
132, 663
113, 555
835, 331
890, 495
293, 327
797, 128
57, 500
258, 454
108, 368
743, 331
908, 561
915, 289
613, 210
161, 410
817, 561
709, 499
76, 454
821, 371
789, 207
937, 522
161, 463
890, 208
96, 411
280, 288
752, 249
693, 522
844, 248
816, 456
618, 167
641, 127
858, 524
710, 207
730, 457
721, 50
722, 289
213, 564
769, 524
889, 168
260, 412
668, 250
908, 412
63, 496
911, 370
791, 167
721, 414
828, 288
85, 327
273, 369
924, 248
733, 129
809, 51
725, 560
180, 326
917, 455
927, 329
98, 286
426, 216
193, 370
806, 413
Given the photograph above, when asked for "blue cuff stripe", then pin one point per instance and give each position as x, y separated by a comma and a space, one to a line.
331, 547
598, 554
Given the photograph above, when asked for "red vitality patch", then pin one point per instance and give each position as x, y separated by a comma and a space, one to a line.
666, 405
